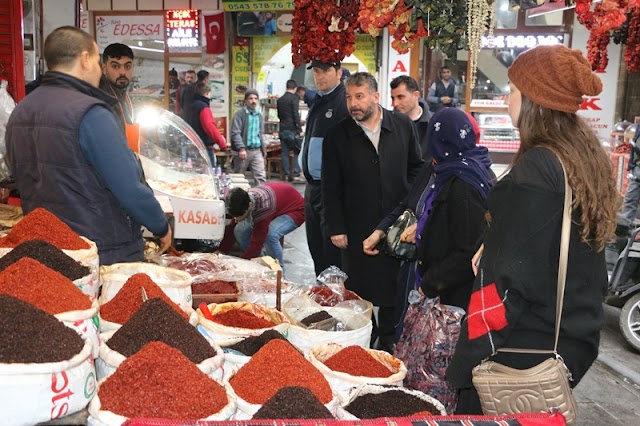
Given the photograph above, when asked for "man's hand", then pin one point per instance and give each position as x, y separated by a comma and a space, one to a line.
369, 245
340, 241
409, 234
166, 241
242, 154
445, 100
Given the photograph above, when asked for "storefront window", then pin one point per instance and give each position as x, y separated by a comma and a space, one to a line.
549, 19
505, 18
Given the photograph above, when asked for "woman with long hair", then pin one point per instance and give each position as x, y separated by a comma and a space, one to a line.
513, 302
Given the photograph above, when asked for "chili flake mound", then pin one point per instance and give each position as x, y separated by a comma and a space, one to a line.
129, 299
278, 365
160, 382
41, 224
356, 361
44, 288
242, 319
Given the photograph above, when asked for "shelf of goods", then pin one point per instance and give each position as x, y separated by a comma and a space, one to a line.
176, 165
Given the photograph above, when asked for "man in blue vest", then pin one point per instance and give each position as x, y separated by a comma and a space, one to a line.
444, 92
74, 160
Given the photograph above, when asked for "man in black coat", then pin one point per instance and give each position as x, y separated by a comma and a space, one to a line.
369, 161
329, 107
405, 99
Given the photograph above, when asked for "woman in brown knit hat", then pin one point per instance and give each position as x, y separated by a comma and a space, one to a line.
514, 295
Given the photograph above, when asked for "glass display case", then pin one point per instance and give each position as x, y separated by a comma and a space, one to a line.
498, 134
176, 164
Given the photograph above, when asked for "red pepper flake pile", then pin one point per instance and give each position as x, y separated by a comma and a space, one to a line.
278, 365
129, 299
160, 382
356, 361
215, 287
242, 319
44, 288
43, 225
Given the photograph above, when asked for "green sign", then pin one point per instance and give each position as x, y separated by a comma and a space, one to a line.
239, 76
256, 5
366, 51
263, 48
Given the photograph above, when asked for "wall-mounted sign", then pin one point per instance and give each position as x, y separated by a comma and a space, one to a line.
521, 41
121, 28
256, 5
183, 32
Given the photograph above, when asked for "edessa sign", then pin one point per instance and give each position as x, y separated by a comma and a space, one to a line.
117, 29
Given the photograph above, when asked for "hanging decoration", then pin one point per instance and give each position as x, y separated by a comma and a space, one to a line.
611, 20
323, 30
441, 22
479, 13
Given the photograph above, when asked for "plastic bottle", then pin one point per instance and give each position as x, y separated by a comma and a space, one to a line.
218, 171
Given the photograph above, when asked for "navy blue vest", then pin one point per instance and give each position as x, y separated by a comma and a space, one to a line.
50, 170
441, 91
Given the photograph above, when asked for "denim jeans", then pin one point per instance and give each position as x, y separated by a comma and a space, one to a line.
278, 228
212, 157
288, 143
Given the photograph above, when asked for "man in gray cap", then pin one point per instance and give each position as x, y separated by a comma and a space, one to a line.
247, 146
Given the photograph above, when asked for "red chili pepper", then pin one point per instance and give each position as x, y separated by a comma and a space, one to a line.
41, 224
205, 311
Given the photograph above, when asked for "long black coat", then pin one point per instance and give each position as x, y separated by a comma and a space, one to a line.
360, 187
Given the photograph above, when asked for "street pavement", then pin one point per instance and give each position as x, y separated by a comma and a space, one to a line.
609, 394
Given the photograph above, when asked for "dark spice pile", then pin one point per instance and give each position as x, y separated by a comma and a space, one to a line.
31, 281
160, 382
129, 299
41, 224
356, 361
253, 344
47, 254
325, 296
278, 365
30, 335
293, 402
316, 317
392, 403
157, 321
215, 287
242, 319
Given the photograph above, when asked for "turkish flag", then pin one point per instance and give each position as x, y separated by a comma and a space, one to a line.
214, 30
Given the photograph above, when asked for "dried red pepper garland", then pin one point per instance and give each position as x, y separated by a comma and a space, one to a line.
632, 53
323, 30
597, 51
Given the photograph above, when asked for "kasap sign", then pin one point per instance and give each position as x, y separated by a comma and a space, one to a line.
116, 29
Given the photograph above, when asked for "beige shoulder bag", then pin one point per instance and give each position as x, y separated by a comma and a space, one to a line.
545, 387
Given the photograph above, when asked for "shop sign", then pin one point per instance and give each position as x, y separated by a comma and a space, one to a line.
239, 76
263, 48
366, 51
117, 29
182, 28
488, 103
521, 41
399, 64
256, 5
199, 219
285, 23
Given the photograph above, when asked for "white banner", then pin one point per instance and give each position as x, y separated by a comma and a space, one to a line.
198, 219
599, 111
399, 64
117, 29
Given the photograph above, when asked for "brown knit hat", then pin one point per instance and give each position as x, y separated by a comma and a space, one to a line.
555, 77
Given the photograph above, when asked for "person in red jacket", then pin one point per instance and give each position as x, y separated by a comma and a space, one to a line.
201, 119
261, 217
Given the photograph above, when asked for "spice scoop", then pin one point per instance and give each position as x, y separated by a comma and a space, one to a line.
205, 311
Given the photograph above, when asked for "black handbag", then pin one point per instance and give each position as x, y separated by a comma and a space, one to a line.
393, 246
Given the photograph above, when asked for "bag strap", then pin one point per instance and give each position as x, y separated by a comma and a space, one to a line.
562, 267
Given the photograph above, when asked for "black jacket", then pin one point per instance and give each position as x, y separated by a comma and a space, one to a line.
193, 118
360, 187
422, 124
326, 111
289, 112
518, 275
448, 242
